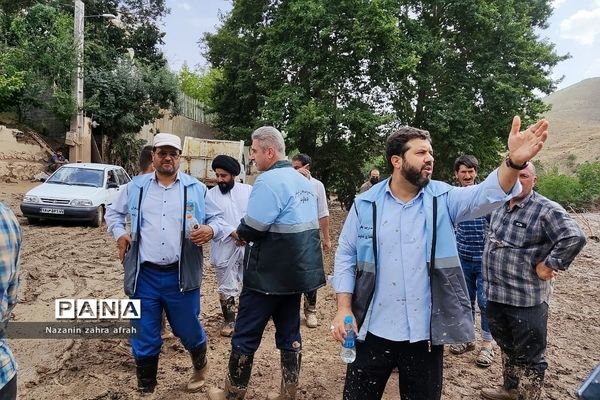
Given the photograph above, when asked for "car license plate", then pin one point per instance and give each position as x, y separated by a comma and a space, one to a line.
52, 210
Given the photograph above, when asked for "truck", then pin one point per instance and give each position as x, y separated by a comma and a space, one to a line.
198, 153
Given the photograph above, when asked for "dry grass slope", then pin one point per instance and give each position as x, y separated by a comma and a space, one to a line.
575, 125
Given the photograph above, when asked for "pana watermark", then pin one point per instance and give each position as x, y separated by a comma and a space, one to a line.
97, 309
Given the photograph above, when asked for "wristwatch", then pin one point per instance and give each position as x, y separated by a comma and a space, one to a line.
512, 165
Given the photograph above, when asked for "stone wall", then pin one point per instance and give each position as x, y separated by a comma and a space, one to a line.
21, 157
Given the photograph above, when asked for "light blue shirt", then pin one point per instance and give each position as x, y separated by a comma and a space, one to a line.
402, 299
162, 221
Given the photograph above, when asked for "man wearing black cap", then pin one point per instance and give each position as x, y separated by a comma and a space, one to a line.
227, 253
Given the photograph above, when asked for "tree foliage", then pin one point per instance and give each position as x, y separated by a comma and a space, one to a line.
200, 84
37, 60
315, 69
126, 79
337, 76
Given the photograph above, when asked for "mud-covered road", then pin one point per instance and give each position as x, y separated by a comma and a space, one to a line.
75, 261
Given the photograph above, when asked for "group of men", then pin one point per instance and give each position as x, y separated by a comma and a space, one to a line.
404, 252
408, 244
282, 260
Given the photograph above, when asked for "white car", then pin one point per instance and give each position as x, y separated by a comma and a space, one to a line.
75, 192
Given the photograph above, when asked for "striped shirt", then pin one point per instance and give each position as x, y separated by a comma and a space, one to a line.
535, 230
10, 246
470, 237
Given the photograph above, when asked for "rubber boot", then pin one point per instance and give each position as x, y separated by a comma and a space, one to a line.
238, 377
200, 363
145, 370
290, 372
228, 309
530, 385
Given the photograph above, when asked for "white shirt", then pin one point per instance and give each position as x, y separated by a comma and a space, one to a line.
233, 204
319, 189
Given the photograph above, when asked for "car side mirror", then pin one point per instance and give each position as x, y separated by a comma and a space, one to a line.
590, 388
112, 185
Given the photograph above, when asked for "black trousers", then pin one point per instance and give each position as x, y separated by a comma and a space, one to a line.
419, 369
521, 333
255, 310
310, 298
9, 391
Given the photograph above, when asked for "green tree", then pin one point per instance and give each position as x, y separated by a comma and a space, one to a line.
200, 85
315, 69
37, 60
129, 95
480, 62
337, 76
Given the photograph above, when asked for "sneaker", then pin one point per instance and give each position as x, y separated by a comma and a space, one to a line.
311, 318
462, 348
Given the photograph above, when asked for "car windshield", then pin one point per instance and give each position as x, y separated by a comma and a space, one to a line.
77, 177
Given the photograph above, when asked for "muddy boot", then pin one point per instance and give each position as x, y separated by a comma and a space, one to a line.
499, 393
236, 382
530, 385
200, 363
290, 372
145, 370
228, 309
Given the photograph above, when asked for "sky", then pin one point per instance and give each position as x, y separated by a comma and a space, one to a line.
574, 27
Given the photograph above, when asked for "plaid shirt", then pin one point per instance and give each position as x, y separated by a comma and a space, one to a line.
535, 230
470, 237
10, 246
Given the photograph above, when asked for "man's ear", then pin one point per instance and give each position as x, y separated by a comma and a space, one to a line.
396, 161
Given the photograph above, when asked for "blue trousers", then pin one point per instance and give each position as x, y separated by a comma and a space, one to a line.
474, 279
159, 290
255, 310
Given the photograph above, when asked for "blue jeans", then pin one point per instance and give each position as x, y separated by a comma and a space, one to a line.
159, 290
255, 310
474, 278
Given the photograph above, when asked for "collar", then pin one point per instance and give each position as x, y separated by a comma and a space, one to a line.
523, 202
280, 164
388, 190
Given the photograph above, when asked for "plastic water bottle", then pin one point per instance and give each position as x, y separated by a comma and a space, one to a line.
348, 353
191, 223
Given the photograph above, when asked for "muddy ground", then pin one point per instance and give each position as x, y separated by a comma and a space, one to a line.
75, 261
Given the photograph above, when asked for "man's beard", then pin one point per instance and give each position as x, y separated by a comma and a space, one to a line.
225, 187
374, 180
413, 175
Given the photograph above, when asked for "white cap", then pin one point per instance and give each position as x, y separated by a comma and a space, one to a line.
167, 139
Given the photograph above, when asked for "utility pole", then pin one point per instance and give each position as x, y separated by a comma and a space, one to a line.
77, 137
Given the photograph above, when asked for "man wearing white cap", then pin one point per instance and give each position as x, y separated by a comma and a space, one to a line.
162, 262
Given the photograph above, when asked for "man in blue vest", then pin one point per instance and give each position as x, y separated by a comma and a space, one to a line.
282, 261
397, 270
162, 260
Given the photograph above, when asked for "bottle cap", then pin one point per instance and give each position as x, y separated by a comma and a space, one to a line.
348, 319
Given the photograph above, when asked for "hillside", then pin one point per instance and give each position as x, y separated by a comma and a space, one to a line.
574, 125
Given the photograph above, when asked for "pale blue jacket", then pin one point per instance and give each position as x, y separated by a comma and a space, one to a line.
190, 259
281, 226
